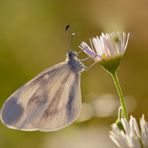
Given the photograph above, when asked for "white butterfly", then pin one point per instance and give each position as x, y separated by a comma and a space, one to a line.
48, 102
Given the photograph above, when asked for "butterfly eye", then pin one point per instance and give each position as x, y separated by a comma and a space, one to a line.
72, 54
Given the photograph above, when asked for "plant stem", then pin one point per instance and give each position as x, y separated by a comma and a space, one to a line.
120, 94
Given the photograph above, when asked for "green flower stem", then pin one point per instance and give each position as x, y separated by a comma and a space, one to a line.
119, 91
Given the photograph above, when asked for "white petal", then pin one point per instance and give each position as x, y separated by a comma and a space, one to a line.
87, 50
127, 38
126, 126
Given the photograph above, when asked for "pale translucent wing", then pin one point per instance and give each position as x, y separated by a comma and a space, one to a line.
65, 105
48, 102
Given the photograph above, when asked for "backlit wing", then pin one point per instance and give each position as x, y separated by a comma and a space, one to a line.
48, 102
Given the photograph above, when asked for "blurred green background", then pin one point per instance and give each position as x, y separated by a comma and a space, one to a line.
32, 38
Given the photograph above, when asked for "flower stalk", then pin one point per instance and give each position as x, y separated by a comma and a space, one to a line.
120, 94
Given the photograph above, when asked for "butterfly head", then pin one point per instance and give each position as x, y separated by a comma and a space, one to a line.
76, 64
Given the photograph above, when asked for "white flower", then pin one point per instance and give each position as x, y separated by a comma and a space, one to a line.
106, 46
107, 49
131, 136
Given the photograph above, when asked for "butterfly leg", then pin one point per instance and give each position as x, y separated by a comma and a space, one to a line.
85, 59
87, 68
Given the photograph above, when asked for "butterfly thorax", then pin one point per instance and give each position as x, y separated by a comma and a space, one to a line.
74, 62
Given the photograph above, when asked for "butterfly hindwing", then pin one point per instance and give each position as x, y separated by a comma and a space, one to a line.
48, 102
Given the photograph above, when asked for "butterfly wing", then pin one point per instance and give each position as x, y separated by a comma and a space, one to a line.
48, 102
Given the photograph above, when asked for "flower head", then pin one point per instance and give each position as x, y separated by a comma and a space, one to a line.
107, 49
131, 136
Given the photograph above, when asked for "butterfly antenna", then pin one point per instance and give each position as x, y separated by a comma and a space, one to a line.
66, 28
70, 35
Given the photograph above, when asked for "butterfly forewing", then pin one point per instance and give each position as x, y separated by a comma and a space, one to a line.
48, 102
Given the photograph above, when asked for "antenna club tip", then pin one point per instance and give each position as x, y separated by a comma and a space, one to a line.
66, 28
73, 34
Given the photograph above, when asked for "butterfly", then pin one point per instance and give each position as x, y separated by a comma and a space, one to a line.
48, 102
